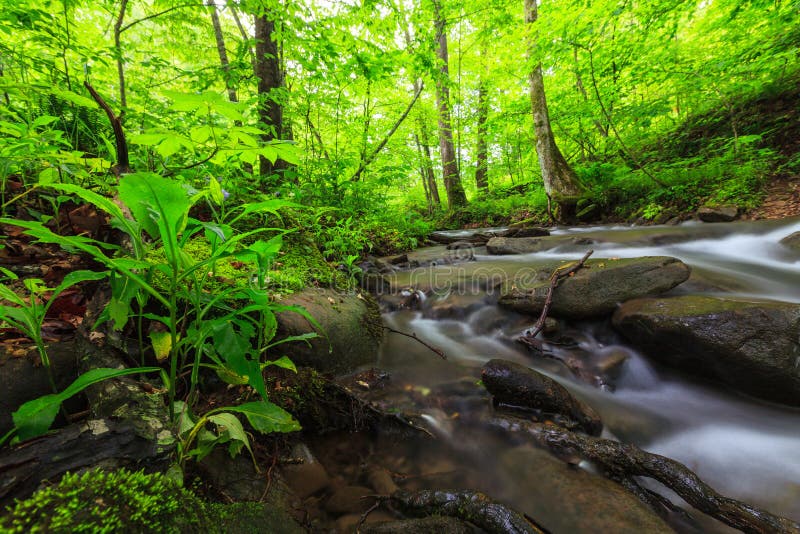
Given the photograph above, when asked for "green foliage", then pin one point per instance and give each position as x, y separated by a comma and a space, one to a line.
108, 501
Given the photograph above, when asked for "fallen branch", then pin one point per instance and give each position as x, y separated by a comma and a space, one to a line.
624, 460
413, 336
555, 278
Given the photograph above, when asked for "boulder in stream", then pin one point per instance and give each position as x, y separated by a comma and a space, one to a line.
527, 245
753, 347
516, 385
792, 241
350, 335
597, 288
713, 214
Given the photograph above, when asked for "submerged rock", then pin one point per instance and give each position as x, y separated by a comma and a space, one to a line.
753, 347
350, 335
516, 385
598, 287
564, 499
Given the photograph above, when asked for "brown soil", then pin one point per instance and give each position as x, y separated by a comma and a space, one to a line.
782, 200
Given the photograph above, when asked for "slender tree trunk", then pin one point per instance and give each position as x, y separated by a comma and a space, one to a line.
427, 162
123, 98
481, 159
560, 181
452, 179
270, 89
223, 53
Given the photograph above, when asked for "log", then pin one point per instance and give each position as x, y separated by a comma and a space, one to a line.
516, 385
624, 460
80, 446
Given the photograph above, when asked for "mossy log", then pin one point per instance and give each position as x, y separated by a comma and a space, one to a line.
321, 405
624, 460
98, 441
471, 506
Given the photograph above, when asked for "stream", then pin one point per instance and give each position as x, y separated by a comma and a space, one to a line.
745, 448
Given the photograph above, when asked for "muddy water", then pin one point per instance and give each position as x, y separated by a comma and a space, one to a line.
744, 448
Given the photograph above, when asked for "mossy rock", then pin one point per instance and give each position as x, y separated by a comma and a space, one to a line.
350, 334
125, 501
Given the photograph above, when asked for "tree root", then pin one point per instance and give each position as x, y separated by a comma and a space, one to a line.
624, 461
471, 506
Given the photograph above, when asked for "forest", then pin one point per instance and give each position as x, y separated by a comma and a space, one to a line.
399, 265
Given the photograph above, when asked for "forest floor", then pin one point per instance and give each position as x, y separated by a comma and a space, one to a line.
782, 200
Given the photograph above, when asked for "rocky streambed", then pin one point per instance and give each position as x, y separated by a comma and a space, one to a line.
677, 341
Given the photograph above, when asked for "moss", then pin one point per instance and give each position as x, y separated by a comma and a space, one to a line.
298, 265
108, 501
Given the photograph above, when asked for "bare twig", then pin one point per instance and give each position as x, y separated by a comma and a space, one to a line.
555, 278
413, 336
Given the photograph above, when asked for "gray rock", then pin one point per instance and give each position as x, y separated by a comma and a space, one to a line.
753, 347
562, 498
527, 231
792, 241
350, 335
516, 385
527, 245
717, 213
598, 287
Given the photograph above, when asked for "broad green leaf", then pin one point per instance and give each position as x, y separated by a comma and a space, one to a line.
162, 344
215, 189
266, 417
160, 205
229, 424
284, 363
34, 417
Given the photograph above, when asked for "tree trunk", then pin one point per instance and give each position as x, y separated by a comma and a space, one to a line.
427, 162
452, 178
270, 90
560, 181
223, 54
481, 166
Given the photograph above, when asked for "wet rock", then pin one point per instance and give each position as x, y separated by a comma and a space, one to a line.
426, 525
516, 385
527, 231
597, 288
527, 245
455, 306
237, 479
792, 241
717, 213
349, 499
564, 499
309, 476
350, 335
751, 346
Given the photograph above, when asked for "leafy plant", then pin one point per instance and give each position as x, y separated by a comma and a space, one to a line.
28, 314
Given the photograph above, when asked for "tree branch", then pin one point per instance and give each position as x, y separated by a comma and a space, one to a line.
123, 163
357, 175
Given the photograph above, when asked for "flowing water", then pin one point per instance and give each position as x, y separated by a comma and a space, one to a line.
744, 448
